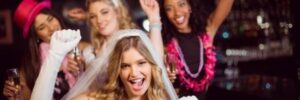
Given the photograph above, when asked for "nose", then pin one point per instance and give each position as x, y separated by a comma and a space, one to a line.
52, 27
177, 11
99, 19
134, 72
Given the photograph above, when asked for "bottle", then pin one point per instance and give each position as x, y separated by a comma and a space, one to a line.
77, 58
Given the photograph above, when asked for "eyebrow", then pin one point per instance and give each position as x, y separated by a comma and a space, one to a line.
142, 59
104, 9
167, 5
40, 25
179, 1
48, 17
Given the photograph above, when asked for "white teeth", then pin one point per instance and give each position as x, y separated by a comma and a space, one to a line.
138, 80
180, 19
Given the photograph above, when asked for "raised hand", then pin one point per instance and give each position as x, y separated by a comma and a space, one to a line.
61, 43
151, 8
64, 41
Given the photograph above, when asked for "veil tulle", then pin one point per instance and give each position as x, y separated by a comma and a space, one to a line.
98, 67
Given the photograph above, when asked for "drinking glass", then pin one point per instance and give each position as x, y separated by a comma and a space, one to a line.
13, 76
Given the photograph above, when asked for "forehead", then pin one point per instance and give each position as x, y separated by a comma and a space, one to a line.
131, 54
98, 5
40, 18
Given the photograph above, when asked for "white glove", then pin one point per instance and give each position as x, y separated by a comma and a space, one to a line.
64, 41
192, 97
61, 43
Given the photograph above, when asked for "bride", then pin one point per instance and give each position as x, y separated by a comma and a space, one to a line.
130, 68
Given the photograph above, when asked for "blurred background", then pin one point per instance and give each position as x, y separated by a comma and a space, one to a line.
257, 47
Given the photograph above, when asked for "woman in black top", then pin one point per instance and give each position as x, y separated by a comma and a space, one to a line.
188, 32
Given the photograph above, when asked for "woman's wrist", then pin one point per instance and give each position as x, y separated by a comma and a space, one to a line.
154, 19
155, 26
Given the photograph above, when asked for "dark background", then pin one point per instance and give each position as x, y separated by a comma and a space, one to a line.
285, 67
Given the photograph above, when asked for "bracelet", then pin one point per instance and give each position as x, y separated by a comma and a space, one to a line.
155, 26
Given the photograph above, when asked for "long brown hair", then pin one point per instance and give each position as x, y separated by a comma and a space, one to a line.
125, 21
31, 61
114, 89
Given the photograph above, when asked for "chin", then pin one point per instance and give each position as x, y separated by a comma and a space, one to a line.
140, 93
105, 33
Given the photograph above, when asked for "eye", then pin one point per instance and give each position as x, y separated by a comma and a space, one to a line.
182, 4
167, 9
42, 27
123, 66
91, 16
104, 12
142, 63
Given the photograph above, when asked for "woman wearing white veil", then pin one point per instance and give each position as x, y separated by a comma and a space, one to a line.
96, 82
103, 79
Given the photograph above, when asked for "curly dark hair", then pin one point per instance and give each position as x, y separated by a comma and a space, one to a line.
198, 18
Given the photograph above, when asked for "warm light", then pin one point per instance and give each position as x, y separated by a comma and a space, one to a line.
261, 46
290, 25
259, 20
146, 24
236, 52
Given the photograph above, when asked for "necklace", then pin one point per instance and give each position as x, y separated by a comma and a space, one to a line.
187, 69
191, 83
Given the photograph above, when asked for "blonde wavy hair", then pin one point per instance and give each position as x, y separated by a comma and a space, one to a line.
124, 19
114, 88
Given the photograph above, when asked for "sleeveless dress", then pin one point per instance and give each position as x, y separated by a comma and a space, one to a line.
186, 48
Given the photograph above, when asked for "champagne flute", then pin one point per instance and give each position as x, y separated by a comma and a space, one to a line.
171, 64
14, 77
77, 57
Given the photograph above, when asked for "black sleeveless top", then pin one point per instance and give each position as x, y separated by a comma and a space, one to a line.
190, 47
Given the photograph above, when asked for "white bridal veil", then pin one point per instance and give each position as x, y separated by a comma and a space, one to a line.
98, 67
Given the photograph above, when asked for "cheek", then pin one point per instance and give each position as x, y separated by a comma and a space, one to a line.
112, 18
123, 75
147, 70
169, 14
57, 23
113, 23
93, 22
43, 35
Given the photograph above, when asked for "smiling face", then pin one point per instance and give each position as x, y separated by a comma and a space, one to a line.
103, 17
135, 73
178, 13
45, 25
